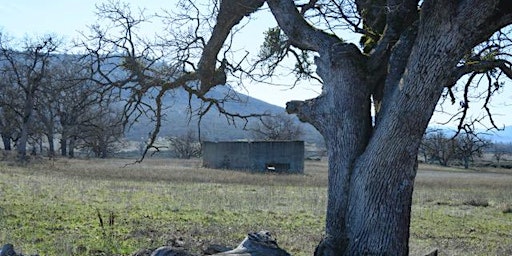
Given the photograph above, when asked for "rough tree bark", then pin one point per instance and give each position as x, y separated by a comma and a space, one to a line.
415, 52
373, 161
372, 166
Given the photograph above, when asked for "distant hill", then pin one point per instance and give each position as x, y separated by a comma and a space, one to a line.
503, 136
214, 126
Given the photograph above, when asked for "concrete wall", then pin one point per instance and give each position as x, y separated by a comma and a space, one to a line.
278, 156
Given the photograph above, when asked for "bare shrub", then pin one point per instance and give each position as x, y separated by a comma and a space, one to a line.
478, 202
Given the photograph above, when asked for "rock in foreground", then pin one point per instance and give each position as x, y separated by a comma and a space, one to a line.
255, 244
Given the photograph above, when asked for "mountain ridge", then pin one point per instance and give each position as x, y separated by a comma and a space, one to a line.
214, 125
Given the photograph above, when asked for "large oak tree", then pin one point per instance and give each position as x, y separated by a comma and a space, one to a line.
412, 52
377, 97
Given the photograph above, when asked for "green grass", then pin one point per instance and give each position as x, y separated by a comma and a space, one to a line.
53, 209
79, 207
463, 212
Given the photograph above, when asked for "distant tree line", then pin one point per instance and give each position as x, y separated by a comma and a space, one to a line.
463, 148
501, 152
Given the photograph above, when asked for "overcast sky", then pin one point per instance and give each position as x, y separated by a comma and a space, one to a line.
20, 18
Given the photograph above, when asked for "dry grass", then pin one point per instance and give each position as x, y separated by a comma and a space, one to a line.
462, 212
153, 202
53, 208
175, 170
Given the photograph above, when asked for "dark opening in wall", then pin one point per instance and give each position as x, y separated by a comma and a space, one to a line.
278, 167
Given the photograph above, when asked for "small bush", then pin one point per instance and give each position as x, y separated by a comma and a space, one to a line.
506, 208
478, 202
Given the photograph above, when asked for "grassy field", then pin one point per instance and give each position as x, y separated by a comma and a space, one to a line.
102, 207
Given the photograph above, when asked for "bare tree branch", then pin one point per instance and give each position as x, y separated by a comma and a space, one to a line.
300, 33
230, 13
125, 62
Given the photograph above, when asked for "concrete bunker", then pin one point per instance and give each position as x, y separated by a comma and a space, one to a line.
273, 156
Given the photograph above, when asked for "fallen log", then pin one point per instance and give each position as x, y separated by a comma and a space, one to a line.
255, 244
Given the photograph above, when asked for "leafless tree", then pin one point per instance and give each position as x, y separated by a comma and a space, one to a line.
186, 146
25, 65
146, 70
410, 54
73, 98
9, 118
277, 127
500, 151
469, 145
47, 104
438, 146
102, 132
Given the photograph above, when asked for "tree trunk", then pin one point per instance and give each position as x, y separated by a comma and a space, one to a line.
71, 150
51, 145
6, 139
371, 169
25, 126
370, 183
465, 160
40, 144
345, 123
103, 146
21, 145
63, 146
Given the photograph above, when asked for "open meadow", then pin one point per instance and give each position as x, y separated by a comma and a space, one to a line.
102, 207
